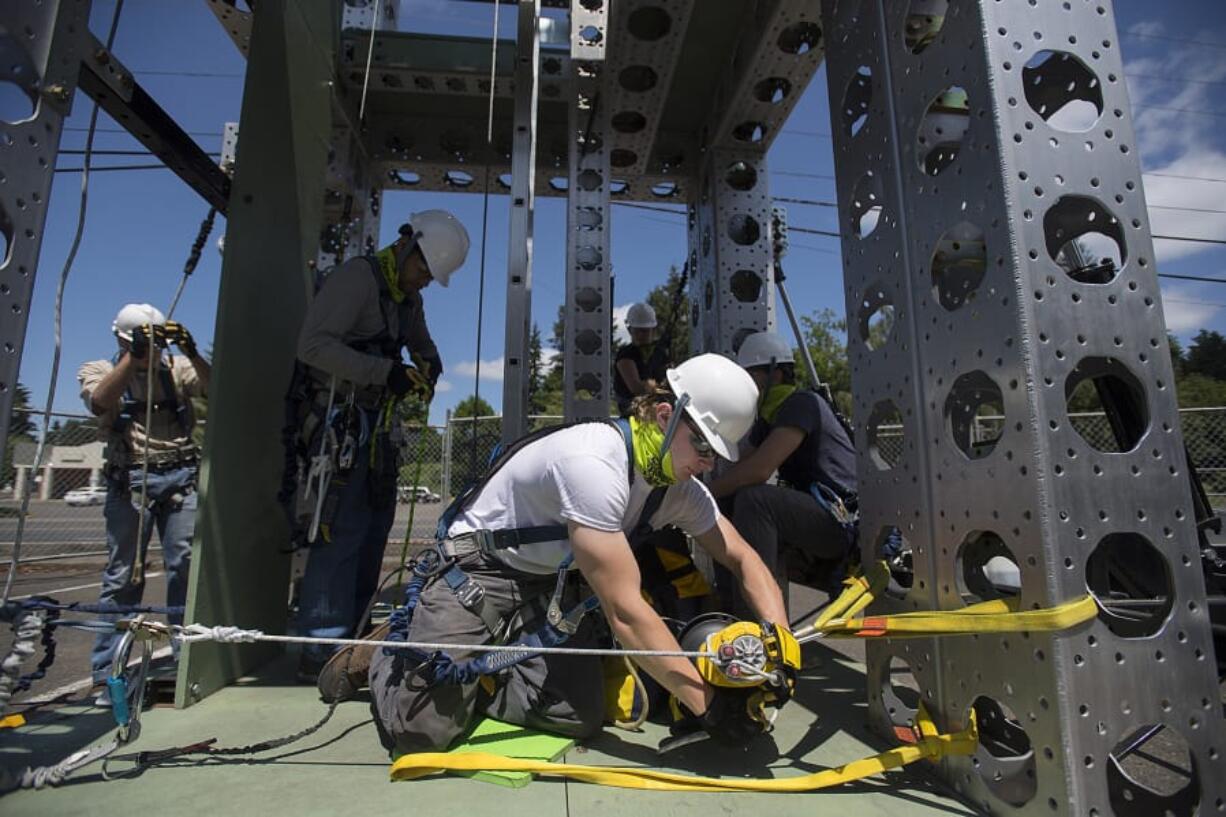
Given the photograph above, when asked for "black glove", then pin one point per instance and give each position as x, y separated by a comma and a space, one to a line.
178, 333
138, 347
398, 381
729, 720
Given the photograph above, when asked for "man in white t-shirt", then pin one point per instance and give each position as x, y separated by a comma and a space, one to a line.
577, 486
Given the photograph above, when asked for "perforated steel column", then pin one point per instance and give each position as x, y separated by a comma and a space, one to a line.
587, 316
730, 239
523, 202
974, 142
28, 147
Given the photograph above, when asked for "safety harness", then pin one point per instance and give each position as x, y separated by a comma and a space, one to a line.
306, 414
132, 410
439, 667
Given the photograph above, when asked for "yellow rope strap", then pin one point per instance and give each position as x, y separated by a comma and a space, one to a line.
928, 745
839, 619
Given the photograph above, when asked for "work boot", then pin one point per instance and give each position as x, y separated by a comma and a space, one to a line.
345, 673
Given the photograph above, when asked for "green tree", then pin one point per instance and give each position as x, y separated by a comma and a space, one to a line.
1179, 358
675, 322
1207, 355
1199, 391
21, 418
473, 406
21, 429
825, 335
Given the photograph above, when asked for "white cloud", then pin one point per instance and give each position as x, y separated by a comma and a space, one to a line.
1175, 143
1147, 28
1183, 192
1185, 312
490, 369
443, 386
619, 323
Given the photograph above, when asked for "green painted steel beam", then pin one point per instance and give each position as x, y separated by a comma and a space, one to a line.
240, 571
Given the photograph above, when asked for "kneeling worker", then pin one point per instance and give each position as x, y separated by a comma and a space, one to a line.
802, 526
367, 311
575, 496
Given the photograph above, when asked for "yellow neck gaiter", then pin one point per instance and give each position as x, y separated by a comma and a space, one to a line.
648, 439
387, 263
774, 398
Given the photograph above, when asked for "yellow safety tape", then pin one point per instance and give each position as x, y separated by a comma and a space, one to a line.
928, 745
997, 616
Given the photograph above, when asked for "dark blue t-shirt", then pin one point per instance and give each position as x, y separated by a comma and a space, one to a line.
825, 455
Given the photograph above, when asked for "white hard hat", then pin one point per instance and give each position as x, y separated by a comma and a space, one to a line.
134, 315
764, 349
442, 239
723, 399
640, 316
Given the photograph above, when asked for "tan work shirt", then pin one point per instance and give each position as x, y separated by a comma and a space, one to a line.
166, 437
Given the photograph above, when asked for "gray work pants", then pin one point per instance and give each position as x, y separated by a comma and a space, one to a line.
553, 693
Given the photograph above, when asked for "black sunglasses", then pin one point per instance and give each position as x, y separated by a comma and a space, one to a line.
699, 443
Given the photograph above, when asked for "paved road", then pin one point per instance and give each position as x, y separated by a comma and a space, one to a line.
53, 527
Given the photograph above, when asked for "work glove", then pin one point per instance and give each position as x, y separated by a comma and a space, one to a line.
404, 379
734, 718
783, 651
143, 337
177, 333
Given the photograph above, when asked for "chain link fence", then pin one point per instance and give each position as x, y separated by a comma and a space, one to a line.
68, 492
1204, 433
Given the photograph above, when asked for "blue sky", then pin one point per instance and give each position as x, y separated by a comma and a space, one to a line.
140, 223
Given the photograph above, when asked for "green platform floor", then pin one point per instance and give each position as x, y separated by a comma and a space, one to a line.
342, 769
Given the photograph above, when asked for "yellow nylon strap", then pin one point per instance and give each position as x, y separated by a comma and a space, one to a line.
858, 593
928, 746
987, 617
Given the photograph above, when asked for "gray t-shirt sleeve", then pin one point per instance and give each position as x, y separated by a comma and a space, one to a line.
330, 319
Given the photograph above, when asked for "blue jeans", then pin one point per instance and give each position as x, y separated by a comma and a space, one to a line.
172, 511
342, 573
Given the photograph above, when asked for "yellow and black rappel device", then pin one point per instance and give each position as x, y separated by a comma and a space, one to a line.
741, 653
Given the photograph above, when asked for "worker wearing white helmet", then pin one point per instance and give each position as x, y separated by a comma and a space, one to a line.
803, 526
639, 366
571, 496
157, 463
366, 313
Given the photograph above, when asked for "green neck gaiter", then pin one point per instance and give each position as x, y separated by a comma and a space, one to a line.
774, 398
387, 263
648, 439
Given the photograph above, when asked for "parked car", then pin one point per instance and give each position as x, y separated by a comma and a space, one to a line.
89, 495
407, 493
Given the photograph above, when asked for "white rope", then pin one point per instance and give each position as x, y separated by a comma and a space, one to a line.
234, 635
370, 52
489, 132
138, 565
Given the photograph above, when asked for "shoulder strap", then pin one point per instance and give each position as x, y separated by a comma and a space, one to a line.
514, 537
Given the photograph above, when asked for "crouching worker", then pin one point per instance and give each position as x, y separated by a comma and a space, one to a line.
572, 497
804, 527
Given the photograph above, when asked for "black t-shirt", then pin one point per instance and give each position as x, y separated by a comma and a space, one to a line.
826, 454
653, 368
